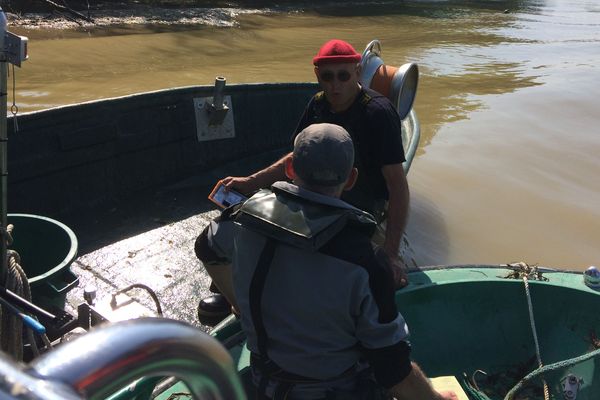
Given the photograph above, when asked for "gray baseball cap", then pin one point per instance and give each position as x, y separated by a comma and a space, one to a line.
323, 155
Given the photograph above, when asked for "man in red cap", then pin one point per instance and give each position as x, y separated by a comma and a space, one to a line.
375, 128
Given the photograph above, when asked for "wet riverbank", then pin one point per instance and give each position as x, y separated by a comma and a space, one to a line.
157, 14
161, 15
161, 18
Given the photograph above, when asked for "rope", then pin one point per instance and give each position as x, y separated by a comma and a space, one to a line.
11, 327
113, 302
14, 109
470, 385
524, 272
512, 392
535, 337
551, 367
472, 392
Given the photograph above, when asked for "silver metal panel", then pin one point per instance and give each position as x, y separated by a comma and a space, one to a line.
204, 130
370, 61
15, 48
111, 357
404, 88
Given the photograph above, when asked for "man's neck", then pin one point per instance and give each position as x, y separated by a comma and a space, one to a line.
335, 192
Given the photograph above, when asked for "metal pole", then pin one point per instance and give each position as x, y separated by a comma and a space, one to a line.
3, 152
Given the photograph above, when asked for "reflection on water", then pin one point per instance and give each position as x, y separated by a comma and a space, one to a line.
507, 167
265, 47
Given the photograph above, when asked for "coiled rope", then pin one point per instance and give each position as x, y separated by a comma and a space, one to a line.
524, 271
113, 301
11, 327
551, 367
541, 370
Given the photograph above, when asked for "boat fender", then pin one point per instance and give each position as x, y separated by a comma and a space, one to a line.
399, 84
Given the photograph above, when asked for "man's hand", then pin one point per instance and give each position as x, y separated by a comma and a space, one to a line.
399, 272
262, 179
417, 386
447, 395
243, 184
396, 267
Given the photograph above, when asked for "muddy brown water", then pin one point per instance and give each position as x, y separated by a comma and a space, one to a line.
508, 166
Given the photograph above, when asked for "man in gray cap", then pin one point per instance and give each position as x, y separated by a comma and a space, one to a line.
315, 296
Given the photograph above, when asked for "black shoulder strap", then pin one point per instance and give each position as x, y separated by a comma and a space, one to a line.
256, 291
257, 286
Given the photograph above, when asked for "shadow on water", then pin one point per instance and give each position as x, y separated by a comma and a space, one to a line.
427, 232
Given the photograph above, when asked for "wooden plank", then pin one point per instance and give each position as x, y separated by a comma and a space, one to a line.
450, 382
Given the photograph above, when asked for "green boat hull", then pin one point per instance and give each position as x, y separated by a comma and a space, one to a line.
472, 322
501, 332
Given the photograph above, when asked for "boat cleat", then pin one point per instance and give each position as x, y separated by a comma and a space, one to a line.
214, 116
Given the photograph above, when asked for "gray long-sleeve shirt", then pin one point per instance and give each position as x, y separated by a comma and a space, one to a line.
323, 308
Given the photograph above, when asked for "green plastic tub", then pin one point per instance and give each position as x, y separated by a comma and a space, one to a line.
47, 248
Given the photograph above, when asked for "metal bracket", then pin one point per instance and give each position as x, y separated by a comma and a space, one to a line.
15, 48
213, 123
125, 308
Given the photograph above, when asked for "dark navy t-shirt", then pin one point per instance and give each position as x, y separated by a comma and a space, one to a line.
375, 128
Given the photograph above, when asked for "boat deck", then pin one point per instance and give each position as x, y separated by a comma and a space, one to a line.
149, 239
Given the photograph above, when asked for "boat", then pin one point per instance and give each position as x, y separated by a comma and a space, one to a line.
117, 168
499, 332
490, 332
511, 331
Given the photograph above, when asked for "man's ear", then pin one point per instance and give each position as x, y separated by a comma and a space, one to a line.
316, 69
351, 179
289, 168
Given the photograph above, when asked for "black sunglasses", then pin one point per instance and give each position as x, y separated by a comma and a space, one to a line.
329, 76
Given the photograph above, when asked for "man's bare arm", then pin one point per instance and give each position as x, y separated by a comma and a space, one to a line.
258, 180
397, 207
417, 386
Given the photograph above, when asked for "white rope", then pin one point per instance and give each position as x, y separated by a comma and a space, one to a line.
535, 337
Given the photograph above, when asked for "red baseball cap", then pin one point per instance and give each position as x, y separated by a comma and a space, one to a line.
336, 52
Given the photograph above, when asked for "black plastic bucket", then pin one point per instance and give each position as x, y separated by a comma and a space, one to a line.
47, 248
